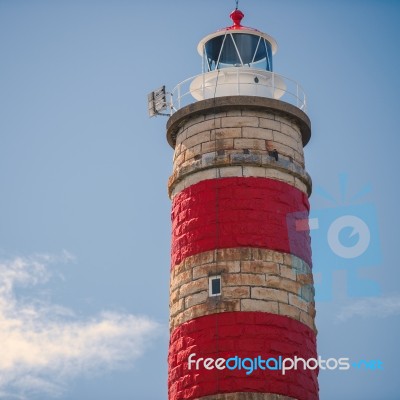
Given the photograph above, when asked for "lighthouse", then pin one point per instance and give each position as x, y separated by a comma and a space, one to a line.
241, 286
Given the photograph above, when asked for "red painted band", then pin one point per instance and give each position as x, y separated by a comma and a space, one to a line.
239, 212
243, 334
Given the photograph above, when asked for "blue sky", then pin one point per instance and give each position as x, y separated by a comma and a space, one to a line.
84, 212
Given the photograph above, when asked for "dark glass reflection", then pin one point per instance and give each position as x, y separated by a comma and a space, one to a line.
216, 286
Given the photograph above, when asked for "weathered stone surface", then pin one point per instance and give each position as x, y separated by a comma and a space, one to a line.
196, 139
254, 171
243, 279
230, 171
249, 283
244, 141
213, 108
257, 133
226, 133
259, 305
271, 169
270, 124
202, 126
253, 144
236, 292
263, 293
234, 122
195, 299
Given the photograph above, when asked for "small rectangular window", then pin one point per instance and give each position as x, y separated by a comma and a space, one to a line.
214, 283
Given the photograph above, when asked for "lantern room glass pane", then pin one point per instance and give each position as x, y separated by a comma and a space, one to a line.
238, 50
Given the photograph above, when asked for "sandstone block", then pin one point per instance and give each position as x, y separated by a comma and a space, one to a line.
231, 267
196, 311
234, 254
234, 122
260, 267
279, 175
236, 292
243, 279
226, 133
290, 131
257, 133
181, 136
281, 149
200, 176
195, 299
203, 127
289, 311
288, 273
194, 287
254, 171
259, 305
201, 258
191, 152
202, 270
286, 140
177, 188
268, 255
177, 307
177, 151
282, 118
181, 279
174, 296
270, 124
230, 171
179, 160
263, 293
277, 282
196, 139
251, 144
298, 302
224, 144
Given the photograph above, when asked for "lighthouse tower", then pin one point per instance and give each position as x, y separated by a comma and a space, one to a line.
241, 288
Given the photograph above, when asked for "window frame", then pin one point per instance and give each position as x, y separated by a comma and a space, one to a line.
210, 285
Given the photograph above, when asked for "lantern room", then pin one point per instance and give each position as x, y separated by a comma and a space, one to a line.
237, 60
237, 46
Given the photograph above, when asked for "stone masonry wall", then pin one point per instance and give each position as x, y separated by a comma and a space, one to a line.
243, 138
252, 279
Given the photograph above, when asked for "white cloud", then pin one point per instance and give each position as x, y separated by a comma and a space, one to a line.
43, 345
380, 307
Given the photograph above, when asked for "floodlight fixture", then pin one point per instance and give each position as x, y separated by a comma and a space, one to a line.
157, 102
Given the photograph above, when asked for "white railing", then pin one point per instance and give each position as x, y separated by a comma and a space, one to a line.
237, 81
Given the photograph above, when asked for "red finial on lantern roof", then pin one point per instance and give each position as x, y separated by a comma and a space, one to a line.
237, 17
